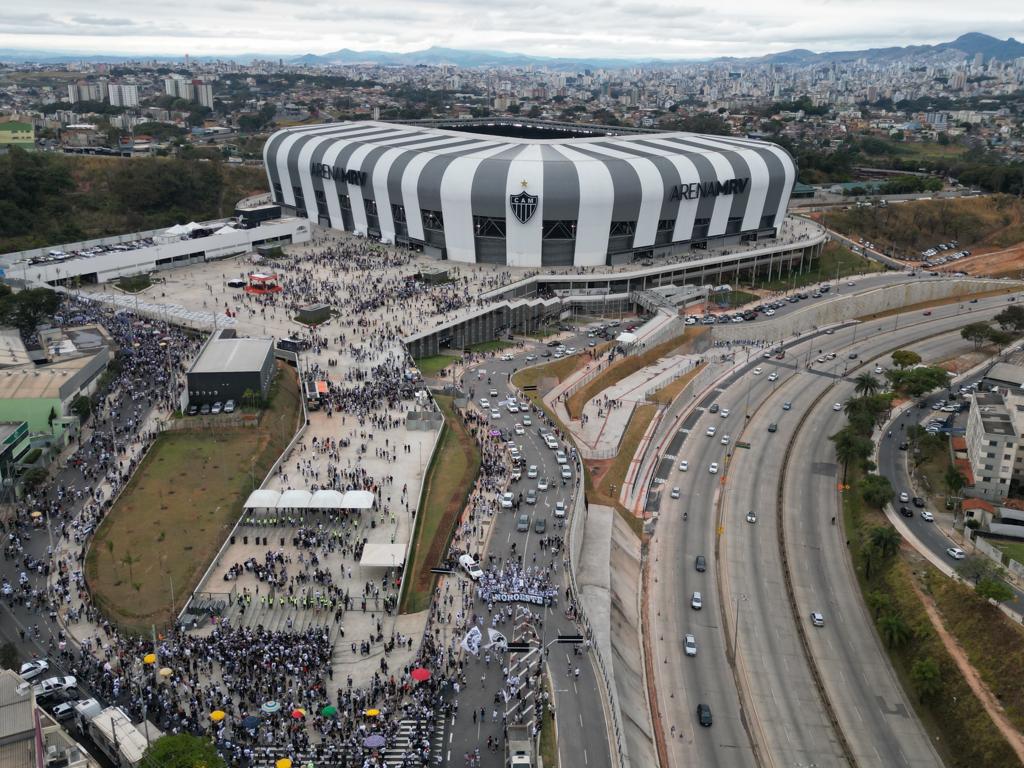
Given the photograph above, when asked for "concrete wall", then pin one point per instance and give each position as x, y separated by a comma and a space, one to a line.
35, 411
840, 308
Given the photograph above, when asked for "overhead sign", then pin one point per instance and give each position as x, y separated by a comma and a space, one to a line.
698, 189
325, 171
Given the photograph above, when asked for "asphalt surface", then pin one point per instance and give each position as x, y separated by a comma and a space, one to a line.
784, 713
579, 712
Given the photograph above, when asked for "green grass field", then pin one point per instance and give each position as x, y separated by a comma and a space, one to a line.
449, 479
732, 299
491, 346
1013, 549
433, 365
176, 511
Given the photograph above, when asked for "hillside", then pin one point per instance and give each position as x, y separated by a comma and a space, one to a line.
977, 223
48, 199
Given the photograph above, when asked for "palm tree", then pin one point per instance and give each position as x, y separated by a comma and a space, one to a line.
867, 385
894, 629
846, 449
885, 539
954, 481
927, 676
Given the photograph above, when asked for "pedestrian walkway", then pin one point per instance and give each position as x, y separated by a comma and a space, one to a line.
409, 738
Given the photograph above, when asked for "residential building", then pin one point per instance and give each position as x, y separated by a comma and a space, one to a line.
993, 443
84, 90
123, 95
203, 93
179, 87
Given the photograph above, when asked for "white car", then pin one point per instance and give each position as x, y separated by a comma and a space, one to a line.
531, 472
485, 403
696, 602
560, 509
758, 371
527, 421
773, 376
769, 312
684, 465
495, 414
471, 567
725, 413
904, 496
512, 407
54, 684
878, 369
566, 472
506, 500
518, 429
690, 645
724, 440
506, 357
751, 516
560, 457
32, 669
713, 469
710, 431
837, 406
956, 553
542, 484
817, 619
675, 492
927, 516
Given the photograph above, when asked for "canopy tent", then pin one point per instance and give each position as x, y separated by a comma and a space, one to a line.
626, 338
225, 230
264, 498
327, 499
383, 556
177, 229
294, 499
358, 500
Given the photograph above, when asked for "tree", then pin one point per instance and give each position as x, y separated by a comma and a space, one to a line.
894, 630
954, 481
994, 589
927, 677
885, 539
1011, 318
978, 569
51, 418
976, 332
879, 602
81, 406
184, 751
904, 358
866, 384
876, 491
34, 478
850, 447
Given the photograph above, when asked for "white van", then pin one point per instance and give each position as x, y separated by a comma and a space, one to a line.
470, 566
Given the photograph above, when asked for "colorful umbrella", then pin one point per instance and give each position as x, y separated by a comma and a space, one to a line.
284, 762
217, 715
374, 741
149, 658
298, 713
329, 710
250, 722
420, 674
166, 671
372, 712
270, 707
37, 514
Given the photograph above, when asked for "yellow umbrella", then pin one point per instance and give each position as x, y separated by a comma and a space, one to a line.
284, 762
372, 712
217, 715
149, 658
166, 672
37, 514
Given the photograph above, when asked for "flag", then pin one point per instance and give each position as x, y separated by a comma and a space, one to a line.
496, 640
471, 642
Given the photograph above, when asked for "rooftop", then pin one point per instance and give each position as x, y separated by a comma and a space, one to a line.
16, 704
1007, 373
995, 415
232, 355
40, 382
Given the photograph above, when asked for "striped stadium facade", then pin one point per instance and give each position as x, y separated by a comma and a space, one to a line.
474, 197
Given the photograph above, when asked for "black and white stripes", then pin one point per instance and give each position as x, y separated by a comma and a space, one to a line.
611, 193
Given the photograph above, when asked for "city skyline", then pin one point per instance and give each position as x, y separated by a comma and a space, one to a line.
644, 29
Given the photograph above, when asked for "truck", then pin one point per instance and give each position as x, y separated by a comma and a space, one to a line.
120, 740
519, 747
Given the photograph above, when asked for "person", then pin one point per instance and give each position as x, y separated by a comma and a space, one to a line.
684, 515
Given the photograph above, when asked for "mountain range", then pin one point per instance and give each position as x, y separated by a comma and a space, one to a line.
965, 46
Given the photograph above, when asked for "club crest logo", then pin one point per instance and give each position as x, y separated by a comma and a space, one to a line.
524, 205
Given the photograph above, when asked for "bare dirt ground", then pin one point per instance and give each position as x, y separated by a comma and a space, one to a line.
989, 701
1004, 262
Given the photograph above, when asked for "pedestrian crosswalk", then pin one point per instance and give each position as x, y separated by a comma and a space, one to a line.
409, 740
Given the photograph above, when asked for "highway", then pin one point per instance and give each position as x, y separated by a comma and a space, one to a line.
783, 711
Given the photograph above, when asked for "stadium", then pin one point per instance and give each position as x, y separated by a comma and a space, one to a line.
531, 194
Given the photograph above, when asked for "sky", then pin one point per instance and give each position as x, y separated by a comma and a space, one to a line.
573, 28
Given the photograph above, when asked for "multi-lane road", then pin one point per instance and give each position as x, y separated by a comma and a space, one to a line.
767, 706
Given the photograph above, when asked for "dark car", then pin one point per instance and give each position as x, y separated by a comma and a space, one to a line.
906, 511
193, 409
852, 355
704, 715
773, 427
918, 502
904, 445
702, 564
205, 410
540, 525
713, 408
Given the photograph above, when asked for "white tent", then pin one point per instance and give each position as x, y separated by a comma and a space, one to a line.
177, 229
263, 498
225, 230
383, 555
358, 500
626, 338
327, 499
294, 499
